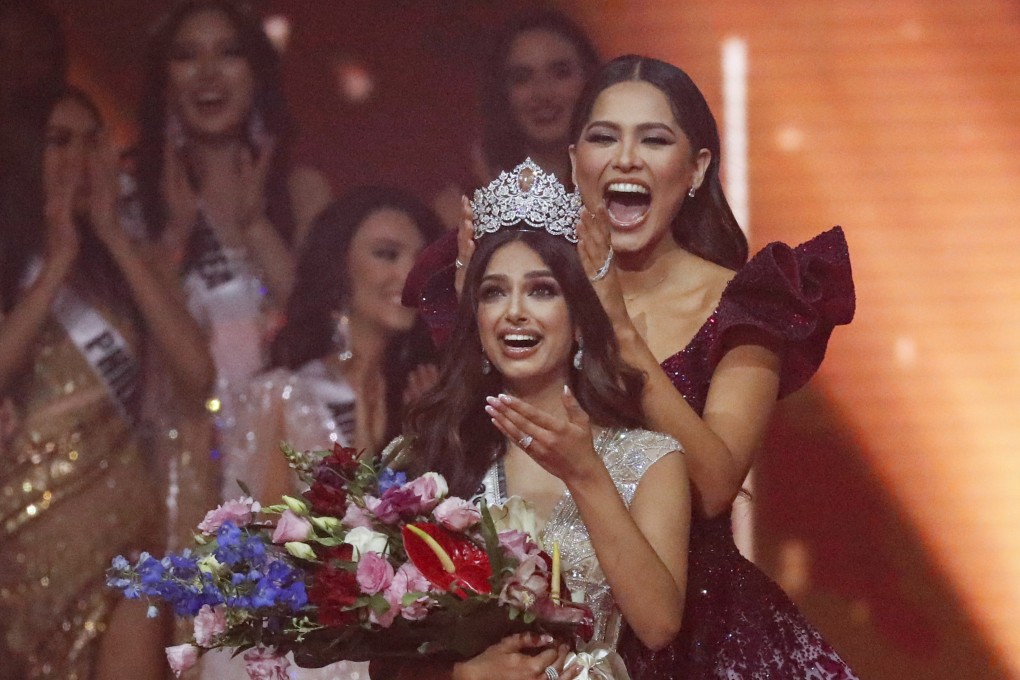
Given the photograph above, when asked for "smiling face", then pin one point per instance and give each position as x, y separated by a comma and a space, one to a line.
380, 256
633, 157
544, 78
211, 83
523, 320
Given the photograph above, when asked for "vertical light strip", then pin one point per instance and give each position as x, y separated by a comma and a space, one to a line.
734, 163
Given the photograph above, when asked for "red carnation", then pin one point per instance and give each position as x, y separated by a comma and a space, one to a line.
334, 591
344, 458
327, 499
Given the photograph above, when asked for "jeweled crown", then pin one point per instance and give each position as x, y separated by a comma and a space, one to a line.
530, 196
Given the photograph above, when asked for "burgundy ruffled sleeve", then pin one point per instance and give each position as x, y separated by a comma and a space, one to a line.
789, 298
429, 286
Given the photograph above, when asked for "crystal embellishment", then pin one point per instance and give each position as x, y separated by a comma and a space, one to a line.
529, 196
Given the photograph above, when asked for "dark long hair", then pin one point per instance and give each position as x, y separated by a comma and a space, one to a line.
268, 103
23, 222
449, 431
705, 225
502, 140
322, 285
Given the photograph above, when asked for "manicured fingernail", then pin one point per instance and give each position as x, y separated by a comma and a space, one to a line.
491, 411
505, 398
547, 639
492, 400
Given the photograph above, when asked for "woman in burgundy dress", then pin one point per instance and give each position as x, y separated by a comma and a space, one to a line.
720, 338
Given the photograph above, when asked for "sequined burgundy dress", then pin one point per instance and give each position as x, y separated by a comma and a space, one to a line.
737, 622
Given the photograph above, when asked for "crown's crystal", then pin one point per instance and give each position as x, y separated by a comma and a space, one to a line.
530, 196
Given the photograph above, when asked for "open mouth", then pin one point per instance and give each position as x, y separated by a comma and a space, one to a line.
209, 102
520, 342
627, 203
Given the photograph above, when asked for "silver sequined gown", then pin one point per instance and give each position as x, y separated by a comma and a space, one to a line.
627, 455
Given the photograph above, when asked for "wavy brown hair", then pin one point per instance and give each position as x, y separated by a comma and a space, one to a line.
449, 432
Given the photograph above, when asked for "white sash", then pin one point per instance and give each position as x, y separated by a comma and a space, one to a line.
105, 350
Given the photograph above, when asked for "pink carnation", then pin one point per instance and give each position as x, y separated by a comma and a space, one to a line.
291, 527
375, 573
265, 664
210, 622
181, 658
457, 514
239, 511
357, 517
408, 580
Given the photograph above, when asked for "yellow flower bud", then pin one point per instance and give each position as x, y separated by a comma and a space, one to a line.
296, 505
300, 550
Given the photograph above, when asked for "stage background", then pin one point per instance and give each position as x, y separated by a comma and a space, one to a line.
888, 496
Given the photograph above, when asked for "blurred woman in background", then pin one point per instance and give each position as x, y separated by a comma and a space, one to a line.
78, 300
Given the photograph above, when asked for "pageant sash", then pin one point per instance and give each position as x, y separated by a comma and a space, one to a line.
102, 346
211, 265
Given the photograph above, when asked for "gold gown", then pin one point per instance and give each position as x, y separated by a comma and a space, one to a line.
75, 491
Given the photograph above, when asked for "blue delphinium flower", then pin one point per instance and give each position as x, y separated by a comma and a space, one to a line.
388, 479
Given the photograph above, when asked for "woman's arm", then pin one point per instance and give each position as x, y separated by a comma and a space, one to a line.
174, 330
640, 550
21, 327
719, 445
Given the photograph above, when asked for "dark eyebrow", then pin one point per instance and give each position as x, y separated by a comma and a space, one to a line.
642, 127
537, 274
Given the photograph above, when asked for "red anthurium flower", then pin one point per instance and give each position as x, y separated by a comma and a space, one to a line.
471, 568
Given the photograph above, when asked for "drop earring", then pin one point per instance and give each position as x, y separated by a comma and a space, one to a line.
342, 336
579, 354
486, 365
690, 194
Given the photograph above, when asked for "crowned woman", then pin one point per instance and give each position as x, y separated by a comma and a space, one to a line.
534, 401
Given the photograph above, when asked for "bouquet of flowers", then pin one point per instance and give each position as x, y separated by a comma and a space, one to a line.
366, 564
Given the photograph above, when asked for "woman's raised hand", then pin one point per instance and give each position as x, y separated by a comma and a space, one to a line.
62, 182
563, 447
594, 245
181, 199
465, 243
104, 189
253, 169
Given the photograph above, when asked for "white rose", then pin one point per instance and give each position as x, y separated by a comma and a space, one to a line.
365, 540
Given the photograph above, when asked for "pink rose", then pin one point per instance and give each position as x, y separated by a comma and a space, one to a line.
181, 658
357, 517
291, 527
209, 623
263, 663
457, 514
375, 573
518, 544
429, 488
239, 511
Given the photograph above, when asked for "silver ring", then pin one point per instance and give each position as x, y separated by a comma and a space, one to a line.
552, 673
524, 442
458, 264
604, 269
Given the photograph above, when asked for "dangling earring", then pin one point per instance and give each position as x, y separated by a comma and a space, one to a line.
690, 193
486, 365
579, 355
342, 336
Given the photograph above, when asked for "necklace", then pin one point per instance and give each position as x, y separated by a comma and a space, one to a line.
646, 289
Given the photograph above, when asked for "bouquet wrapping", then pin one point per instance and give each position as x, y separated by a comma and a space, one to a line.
366, 564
